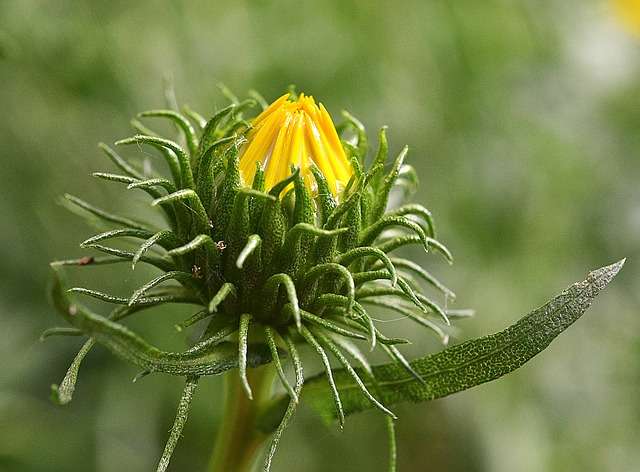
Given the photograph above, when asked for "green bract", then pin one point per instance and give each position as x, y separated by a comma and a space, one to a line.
272, 269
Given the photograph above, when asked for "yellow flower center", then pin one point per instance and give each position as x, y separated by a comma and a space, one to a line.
298, 133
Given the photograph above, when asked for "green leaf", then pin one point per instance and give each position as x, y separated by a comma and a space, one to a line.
199, 213
181, 122
243, 340
75, 202
324, 198
194, 116
362, 143
253, 242
178, 425
186, 175
63, 393
210, 360
120, 162
161, 263
465, 365
206, 165
209, 135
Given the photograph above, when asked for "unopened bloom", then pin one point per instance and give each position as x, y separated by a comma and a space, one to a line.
295, 133
300, 258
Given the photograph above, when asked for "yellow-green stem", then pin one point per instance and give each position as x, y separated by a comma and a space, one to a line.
238, 441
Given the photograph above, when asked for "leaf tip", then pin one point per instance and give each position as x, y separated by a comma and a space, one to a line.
605, 274
57, 397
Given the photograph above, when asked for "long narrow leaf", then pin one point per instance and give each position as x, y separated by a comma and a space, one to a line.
333, 392
63, 393
270, 335
243, 342
105, 215
291, 407
354, 375
127, 345
178, 425
181, 122
468, 364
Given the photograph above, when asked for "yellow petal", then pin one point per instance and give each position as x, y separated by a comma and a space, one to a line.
295, 133
270, 109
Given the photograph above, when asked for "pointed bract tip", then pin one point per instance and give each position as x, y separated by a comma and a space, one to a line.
607, 273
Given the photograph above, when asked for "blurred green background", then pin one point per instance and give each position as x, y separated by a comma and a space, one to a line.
523, 120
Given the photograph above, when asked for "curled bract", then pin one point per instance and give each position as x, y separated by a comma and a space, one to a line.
277, 229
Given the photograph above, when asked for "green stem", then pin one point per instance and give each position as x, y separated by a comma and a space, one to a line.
238, 440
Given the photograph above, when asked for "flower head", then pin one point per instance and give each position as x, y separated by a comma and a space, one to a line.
266, 269
296, 133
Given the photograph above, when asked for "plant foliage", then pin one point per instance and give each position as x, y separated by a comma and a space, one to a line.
270, 269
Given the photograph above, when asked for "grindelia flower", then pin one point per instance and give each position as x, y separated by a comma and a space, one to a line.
297, 258
295, 133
